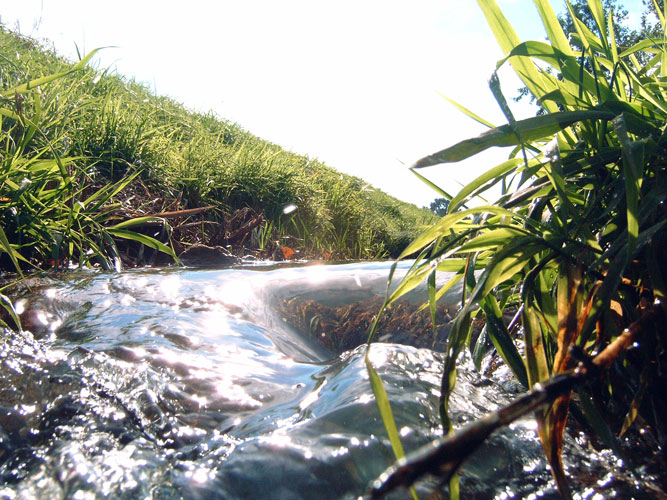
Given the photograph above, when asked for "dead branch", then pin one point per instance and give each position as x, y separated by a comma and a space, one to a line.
442, 457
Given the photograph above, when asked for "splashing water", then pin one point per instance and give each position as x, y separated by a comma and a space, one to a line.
193, 384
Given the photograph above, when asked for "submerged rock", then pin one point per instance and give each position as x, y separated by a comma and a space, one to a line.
204, 256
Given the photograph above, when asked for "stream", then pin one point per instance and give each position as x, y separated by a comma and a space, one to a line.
234, 384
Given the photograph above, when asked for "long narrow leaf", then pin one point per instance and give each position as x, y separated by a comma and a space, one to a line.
501, 339
632, 160
508, 39
553, 28
49, 78
8, 306
536, 359
469, 113
443, 227
531, 129
492, 175
141, 238
433, 186
7, 247
384, 407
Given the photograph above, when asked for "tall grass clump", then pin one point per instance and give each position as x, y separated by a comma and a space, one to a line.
575, 244
52, 209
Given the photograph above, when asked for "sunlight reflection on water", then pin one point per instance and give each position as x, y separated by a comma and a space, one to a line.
191, 384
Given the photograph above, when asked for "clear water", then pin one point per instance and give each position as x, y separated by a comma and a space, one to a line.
177, 383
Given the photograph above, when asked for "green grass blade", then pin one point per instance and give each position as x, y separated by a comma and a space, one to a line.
101, 196
536, 359
531, 129
468, 113
13, 254
141, 238
479, 349
137, 221
584, 36
597, 10
508, 263
641, 46
633, 153
432, 302
451, 283
443, 227
384, 407
436, 188
574, 80
501, 339
614, 51
7, 305
553, 28
9, 114
483, 182
508, 39
49, 78
493, 239
662, 16
411, 281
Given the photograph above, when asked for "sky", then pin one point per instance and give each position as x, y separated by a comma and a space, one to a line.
357, 84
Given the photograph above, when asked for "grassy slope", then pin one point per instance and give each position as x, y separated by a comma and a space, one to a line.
190, 160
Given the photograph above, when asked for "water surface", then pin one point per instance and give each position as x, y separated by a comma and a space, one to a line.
182, 383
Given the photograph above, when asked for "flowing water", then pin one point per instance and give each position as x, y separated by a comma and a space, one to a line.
182, 383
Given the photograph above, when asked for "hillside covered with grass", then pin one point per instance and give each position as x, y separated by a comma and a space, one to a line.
90, 159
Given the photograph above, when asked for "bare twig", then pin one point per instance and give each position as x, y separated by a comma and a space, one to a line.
443, 456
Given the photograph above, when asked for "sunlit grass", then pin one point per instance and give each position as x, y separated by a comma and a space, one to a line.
573, 244
76, 142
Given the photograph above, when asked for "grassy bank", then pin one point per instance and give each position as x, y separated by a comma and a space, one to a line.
97, 169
